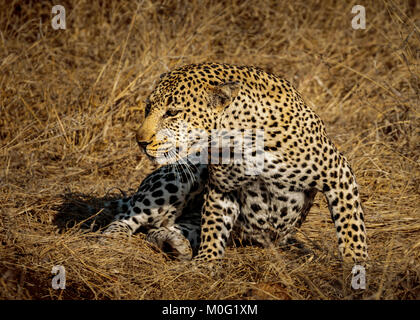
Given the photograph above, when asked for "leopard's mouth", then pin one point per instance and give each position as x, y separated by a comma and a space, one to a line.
157, 152
162, 155
177, 153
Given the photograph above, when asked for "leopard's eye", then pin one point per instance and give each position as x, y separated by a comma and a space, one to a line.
172, 112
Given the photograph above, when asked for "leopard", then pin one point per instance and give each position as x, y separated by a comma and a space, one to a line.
266, 153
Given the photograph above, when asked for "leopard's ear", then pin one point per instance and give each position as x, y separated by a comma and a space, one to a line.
223, 94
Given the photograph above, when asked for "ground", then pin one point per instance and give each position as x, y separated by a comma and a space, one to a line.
69, 105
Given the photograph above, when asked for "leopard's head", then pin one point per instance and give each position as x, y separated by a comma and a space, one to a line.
182, 111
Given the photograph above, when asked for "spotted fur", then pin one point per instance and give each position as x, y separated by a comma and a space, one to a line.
166, 206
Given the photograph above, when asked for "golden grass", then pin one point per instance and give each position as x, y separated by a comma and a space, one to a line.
69, 102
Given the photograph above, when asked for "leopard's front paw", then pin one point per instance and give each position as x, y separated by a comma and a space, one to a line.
179, 245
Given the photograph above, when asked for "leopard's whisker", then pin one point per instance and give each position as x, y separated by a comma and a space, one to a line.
176, 167
189, 174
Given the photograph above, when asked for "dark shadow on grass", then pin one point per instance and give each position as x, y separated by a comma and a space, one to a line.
86, 212
78, 210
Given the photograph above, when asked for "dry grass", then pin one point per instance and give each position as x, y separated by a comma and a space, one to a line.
69, 104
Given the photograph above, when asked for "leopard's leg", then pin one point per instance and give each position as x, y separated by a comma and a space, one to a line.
192, 232
330, 173
344, 203
158, 201
219, 215
189, 223
306, 205
142, 211
325, 169
183, 237
173, 237
123, 225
